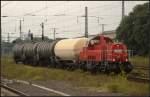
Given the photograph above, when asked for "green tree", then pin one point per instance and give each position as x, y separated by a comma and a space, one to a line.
133, 29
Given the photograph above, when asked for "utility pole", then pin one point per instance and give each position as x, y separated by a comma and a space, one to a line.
54, 33
30, 35
8, 38
29, 32
1, 32
42, 25
98, 19
123, 9
103, 27
20, 28
86, 22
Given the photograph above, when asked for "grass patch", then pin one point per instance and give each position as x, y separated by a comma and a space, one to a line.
121, 84
140, 61
78, 78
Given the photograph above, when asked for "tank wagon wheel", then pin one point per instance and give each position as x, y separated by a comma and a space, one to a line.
58, 64
42, 63
68, 68
90, 66
63, 65
52, 63
81, 65
16, 61
36, 60
84, 66
23, 59
72, 67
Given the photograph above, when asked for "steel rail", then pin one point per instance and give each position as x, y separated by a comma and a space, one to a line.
41, 87
13, 90
138, 79
142, 67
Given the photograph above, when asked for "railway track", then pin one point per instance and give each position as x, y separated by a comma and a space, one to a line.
138, 79
142, 67
137, 76
13, 90
52, 91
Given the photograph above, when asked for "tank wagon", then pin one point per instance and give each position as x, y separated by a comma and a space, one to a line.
28, 53
44, 52
17, 52
94, 54
67, 51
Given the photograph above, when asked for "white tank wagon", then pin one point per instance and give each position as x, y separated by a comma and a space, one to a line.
17, 52
69, 49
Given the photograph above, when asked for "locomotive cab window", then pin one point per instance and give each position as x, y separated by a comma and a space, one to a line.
108, 40
94, 40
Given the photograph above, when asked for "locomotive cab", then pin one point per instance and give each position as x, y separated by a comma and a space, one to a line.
119, 56
119, 53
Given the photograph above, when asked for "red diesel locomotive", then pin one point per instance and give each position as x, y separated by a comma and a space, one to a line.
101, 54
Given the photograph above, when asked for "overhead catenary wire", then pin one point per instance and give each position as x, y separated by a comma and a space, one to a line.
4, 5
54, 21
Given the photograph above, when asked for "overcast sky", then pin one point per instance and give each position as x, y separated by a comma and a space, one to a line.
66, 16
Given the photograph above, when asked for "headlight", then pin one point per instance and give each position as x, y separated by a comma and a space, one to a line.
126, 60
113, 60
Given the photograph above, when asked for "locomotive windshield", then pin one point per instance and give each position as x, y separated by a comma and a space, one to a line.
93, 41
118, 50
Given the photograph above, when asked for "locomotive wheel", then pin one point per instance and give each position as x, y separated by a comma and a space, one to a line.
59, 65
89, 66
16, 62
128, 67
116, 69
93, 68
108, 71
70, 68
82, 66
53, 63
